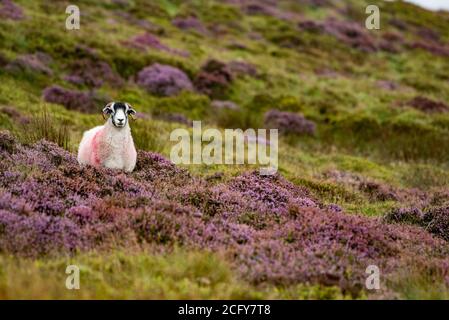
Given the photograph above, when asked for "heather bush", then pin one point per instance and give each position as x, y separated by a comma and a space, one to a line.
427, 105
149, 41
92, 73
15, 115
267, 8
272, 230
378, 191
288, 122
349, 33
241, 68
214, 79
83, 101
218, 104
38, 234
172, 117
164, 80
407, 215
7, 141
433, 48
333, 242
429, 34
436, 221
37, 62
311, 26
10, 10
189, 23
146, 40
154, 168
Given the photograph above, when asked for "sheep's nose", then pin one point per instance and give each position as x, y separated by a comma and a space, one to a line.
120, 120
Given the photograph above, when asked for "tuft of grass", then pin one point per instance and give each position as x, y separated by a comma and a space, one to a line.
44, 125
150, 135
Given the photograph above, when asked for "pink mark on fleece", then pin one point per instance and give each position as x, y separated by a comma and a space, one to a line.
95, 148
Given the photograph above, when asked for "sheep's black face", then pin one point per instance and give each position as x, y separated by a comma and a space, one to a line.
119, 112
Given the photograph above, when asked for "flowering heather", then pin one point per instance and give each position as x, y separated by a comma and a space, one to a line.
228, 105
436, 221
391, 42
214, 79
267, 8
350, 33
440, 197
240, 68
427, 105
432, 47
399, 24
92, 73
272, 192
311, 26
15, 115
148, 40
164, 80
37, 62
408, 215
429, 34
173, 117
10, 10
73, 99
7, 141
189, 23
37, 234
289, 122
378, 191
319, 3
272, 230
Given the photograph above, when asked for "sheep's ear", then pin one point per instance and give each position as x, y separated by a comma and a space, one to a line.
131, 111
108, 108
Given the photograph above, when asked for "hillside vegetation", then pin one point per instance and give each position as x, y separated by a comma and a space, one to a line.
363, 175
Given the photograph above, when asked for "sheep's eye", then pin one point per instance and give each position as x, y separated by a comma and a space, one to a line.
131, 111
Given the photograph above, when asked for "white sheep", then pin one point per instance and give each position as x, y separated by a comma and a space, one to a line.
110, 145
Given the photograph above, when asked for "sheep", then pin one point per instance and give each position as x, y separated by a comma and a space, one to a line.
110, 145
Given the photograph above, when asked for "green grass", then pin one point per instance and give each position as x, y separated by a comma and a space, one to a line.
140, 275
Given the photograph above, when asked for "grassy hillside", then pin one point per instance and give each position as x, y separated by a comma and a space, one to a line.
363, 156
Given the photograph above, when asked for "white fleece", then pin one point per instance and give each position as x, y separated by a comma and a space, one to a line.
109, 147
